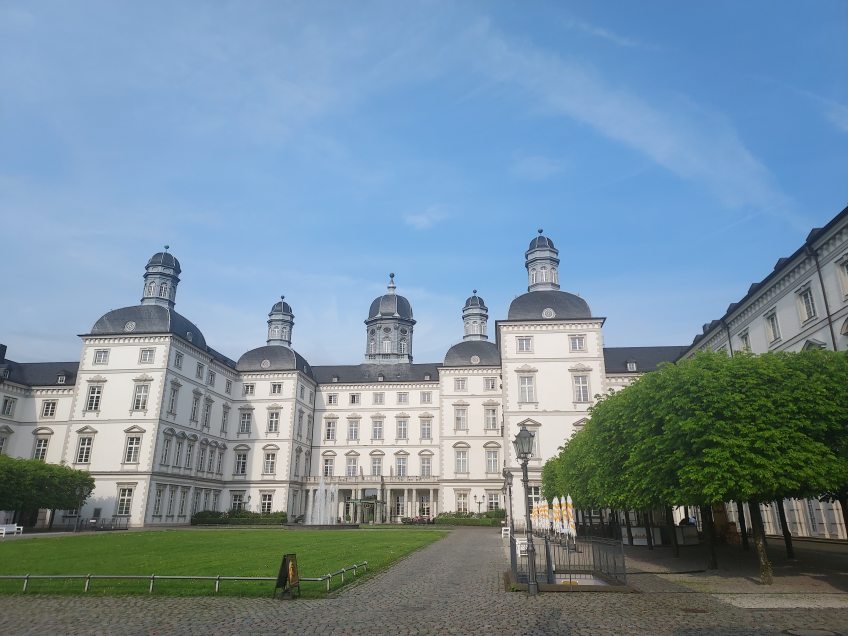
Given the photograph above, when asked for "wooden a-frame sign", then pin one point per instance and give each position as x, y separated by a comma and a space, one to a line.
288, 578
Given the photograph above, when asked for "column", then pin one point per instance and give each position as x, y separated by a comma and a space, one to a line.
432, 511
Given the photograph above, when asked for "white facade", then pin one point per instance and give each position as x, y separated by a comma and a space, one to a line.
168, 426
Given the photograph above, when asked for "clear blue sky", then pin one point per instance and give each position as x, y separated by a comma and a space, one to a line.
673, 151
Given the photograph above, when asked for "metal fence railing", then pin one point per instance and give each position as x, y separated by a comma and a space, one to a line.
586, 561
153, 578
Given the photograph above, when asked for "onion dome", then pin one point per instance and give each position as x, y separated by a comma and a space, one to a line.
549, 305
390, 304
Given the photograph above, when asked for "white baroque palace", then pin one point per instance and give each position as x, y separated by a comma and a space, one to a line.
168, 426
801, 304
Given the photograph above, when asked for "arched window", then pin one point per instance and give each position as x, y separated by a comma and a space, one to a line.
151, 289
402, 346
475, 327
544, 274
372, 347
275, 331
387, 345
163, 290
532, 276
554, 275
285, 333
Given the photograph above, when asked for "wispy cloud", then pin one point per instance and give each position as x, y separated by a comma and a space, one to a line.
534, 167
426, 219
605, 34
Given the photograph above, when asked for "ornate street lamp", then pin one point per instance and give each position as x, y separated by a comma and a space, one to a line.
507, 489
523, 443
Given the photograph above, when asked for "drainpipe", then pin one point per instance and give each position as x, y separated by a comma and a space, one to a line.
729, 341
814, 253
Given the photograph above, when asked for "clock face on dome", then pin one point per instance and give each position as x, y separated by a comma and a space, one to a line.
475, 359
265, 364
130, 326
548, 313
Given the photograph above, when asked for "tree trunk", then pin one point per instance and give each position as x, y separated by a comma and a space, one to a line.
669, 519
759, 543
630, 530
743, 526
709, 531
648, 535
787, 536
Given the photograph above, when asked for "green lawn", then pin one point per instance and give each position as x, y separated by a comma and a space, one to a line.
205, 552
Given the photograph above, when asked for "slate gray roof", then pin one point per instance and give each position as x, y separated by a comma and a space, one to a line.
279, 357
281, 306
566, 306
149, 319
368, 373
541, 242
165, 259
460, 354
39, 373
646, 358
391, 305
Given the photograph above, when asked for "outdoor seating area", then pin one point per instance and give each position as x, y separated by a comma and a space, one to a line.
10, 529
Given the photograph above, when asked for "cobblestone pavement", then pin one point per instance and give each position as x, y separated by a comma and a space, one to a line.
451, 587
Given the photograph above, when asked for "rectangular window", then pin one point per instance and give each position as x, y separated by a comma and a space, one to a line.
178, 360
354, 398
142, 391
493, 462
400, 466
265, 503
302, 391
40, 451
377, 429
526, 388
426, 466
210, 463
92, 403
462, 502
249, 389
3, 443
199, 371
219, 468
166, 451
379, 398
807, 304
84, 450
240, 466
201, 459
228, 387
490, 415
245, 420
460, 418
524, 344
376, 466
351, 466
210, 377
490, 384
225, 418
276, 388
581, 388
461, 461
426, 397
145, 356
459, 384
273, 421
403, 398
48, 408
402, 429
189, 453
9, 406
172, 399
178, 453
297, 464
207, 413
772, 327
157, 501
124, 502
330, 430
631, 365
101, 356
426, 428
300, 422
745, 341
332, 398
353, 430
328, 466
577, 342
132, 449
237, 501
269, 466
493, 501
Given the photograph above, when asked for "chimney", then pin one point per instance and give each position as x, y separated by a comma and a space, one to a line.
2, 353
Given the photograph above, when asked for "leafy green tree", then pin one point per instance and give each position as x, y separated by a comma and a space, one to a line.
27, 485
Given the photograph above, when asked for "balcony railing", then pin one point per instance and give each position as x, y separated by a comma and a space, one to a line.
373, 479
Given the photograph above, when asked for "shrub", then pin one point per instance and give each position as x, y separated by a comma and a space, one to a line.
238, 518
466, 521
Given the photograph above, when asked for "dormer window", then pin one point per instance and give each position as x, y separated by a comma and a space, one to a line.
426, 376
335, 378
380, 377
60, 379
631, 365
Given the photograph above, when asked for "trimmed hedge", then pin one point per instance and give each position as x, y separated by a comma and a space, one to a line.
238, 518
467, 521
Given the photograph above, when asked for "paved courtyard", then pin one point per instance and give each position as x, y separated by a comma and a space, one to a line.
455, 587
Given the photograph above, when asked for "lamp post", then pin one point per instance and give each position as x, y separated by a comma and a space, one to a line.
523, 443
479, 503
507, 473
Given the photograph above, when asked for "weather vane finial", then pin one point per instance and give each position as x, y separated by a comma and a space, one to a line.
540, 230
166, 247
